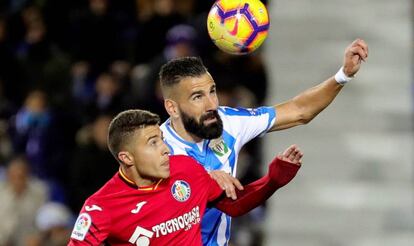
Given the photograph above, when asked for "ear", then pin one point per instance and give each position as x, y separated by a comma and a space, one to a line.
171, 108
126, 158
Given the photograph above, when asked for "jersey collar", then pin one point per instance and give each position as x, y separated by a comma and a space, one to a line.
176, 136
141, 188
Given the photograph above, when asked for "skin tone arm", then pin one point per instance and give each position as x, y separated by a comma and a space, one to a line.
308, 104
305, 106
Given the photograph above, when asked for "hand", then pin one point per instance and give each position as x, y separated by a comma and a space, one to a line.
356, 52
226, 182
285, 166
292, 155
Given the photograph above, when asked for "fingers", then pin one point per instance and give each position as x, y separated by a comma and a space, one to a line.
363, 44
359, 47
358, 50
227, 183
297, 159
292, 154
237, 183
289, 151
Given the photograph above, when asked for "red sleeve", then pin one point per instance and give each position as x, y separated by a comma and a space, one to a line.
92, 225
254, 194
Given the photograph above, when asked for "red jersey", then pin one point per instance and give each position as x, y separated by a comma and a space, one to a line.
167, 213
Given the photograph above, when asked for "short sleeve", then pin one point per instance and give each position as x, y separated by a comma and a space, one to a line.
92, 225
247, 123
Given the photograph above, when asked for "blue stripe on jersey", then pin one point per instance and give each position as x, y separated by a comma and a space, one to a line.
210, 225
230, 141
170, 147
272, 115
208, 158
212, 217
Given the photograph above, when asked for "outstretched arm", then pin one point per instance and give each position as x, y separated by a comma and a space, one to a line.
281, 171
308, 104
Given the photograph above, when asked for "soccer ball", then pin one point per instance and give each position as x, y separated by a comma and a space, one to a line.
238, 26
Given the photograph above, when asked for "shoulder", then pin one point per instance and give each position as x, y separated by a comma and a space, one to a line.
112, 186
239, 111
182, 160
185, 163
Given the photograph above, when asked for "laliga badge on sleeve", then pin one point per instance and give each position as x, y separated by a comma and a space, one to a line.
81, 228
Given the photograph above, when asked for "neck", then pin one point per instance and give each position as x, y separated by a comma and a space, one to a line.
132, 175
178, 127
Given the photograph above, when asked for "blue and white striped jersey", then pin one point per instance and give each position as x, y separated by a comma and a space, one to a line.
240, 125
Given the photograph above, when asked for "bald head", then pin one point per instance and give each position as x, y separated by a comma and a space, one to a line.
175, 70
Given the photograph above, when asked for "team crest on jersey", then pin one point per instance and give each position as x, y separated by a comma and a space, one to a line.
181, 190
81, 228
219, 147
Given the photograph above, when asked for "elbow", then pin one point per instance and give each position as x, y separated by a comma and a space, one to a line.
302, 114
304, 118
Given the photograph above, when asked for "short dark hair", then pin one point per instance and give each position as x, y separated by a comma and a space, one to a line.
124, 125
173, 71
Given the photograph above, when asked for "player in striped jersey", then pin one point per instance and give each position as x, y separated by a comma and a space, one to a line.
214, 135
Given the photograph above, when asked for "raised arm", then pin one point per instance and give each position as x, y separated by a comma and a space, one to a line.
281, 171
308, 104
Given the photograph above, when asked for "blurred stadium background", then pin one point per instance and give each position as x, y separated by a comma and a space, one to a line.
356, 185
66, 67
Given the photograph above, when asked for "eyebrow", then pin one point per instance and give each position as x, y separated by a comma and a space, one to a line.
201, 91
196, 92
152, 137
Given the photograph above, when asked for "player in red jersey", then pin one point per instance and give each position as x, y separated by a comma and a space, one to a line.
158, 199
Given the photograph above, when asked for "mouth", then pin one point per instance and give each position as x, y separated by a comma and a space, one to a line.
210, 119
166, 164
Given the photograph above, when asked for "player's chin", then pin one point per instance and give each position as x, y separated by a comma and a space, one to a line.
164, 171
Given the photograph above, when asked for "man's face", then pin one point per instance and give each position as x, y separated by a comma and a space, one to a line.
150, 153
198, 103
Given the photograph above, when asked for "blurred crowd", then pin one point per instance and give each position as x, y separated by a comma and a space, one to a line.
66, 67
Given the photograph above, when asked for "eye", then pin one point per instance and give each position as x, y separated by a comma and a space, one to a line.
213, 91
153, 142
196, 97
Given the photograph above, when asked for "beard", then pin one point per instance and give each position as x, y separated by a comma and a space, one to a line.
197, 128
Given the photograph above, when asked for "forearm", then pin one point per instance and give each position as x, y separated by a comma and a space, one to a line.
256, 193
307, 105
316, 99
252, 196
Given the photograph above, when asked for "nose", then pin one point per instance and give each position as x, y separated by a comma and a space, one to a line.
165, 148
212, 103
